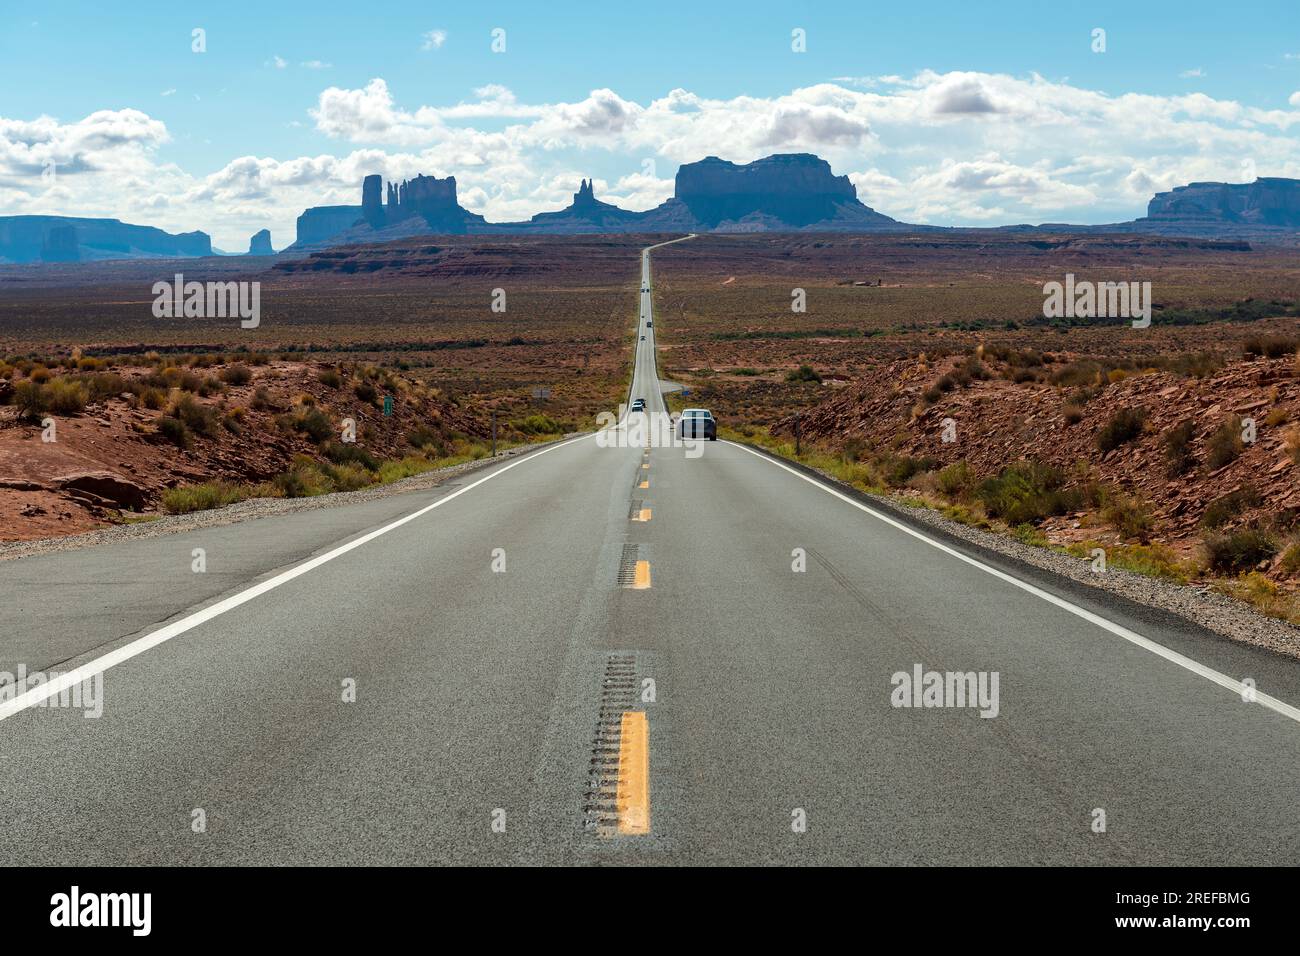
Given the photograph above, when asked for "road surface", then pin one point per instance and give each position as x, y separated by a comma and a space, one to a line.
511, 669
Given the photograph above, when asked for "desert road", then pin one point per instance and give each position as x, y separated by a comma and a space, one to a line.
610, 655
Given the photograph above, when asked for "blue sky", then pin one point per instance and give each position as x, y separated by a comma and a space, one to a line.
953, 113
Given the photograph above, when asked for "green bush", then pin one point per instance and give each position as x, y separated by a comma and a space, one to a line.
213, 494
346, 453
174, 430
804, 373
1027, 492
237, 375
1224, 445
1222, 510
198, 418
539, 425
30, 400
1129, 516
1238, 551
1179, 458
956, 479
1123, 426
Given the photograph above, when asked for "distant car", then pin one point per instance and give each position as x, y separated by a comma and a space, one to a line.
648, 324
697, 423
638, 404
643, 338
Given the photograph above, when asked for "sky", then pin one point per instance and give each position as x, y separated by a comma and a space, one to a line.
945, 113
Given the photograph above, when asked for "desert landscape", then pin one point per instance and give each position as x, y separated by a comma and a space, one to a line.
1079, 434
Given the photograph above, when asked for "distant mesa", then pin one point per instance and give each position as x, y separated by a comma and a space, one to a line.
792, 190
260, 244
1268, 201
419, 206
785, 192
68, 239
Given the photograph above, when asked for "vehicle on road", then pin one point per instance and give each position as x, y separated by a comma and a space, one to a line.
643, 338
649, 324
638, 404
697, 423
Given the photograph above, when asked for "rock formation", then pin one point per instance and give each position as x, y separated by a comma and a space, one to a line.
260, 244
1270, 201
69, 239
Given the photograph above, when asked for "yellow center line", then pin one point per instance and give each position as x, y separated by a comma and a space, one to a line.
642, 576
643, 515
644, 484
646, 465
633, 795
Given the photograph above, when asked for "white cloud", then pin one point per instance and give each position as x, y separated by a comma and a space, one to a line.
1192, 74
950, 148
169, 92
433, 40
316, 65
278, 62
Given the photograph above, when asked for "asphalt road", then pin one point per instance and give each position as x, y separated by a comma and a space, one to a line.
495, 629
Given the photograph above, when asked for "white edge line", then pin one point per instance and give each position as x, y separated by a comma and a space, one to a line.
151, 640
1209, 673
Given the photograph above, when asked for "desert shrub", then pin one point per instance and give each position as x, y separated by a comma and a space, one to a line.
744, 371
932, 394
29, 399
211, 386
349, 476
365, 391
1291, 559
539, 425
1224, 445
1238, 551
105, 385
40, 374
151, 397
314, 423
1027, 491
955, 480
196, 416
261, 399
174, 430
330, 378
1122, 427
1269, 346
1222, 510
1129, 516
188, 498
236, 374
1072, 414
899, 469
422, 436
804, 373
1179, 458
344, 453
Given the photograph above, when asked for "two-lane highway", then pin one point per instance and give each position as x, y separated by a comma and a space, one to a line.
444, 677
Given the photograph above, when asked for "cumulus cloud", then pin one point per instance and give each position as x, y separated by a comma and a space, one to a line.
948, 148
433, 40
